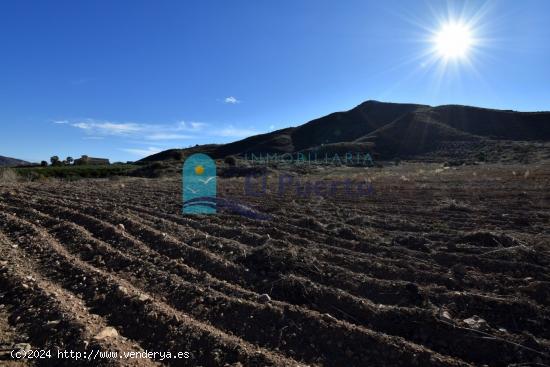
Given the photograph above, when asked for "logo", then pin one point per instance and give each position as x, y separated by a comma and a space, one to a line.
199, 185
256, 185
312, 158
199, 189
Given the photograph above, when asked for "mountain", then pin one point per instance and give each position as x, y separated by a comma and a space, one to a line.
334, 128
11, 162
350, 125
426, 129
392, 130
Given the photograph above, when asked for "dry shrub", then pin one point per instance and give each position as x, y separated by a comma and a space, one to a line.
452, 204
8, 175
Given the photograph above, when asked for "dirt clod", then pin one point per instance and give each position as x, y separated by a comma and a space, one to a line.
477, 323
264, 298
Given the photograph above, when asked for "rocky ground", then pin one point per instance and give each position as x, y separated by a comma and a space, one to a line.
440, 266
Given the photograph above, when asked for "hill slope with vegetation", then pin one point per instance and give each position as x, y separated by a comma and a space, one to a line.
391, 130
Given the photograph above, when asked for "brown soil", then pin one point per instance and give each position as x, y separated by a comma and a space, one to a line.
440, 267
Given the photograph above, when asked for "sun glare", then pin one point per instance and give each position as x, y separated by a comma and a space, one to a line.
453, 40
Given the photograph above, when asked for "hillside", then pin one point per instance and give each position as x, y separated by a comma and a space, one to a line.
391, 130
414, 133
350, 125
11, 162
337, 127
177, 154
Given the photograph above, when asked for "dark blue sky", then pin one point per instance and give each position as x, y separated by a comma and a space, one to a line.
119, 79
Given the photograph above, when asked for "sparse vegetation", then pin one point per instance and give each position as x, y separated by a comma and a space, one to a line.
157, 169
481, 156
179, 155
230, 161
8, 175
452, 204
74, 172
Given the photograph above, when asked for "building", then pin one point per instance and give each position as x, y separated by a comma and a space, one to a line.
90, 160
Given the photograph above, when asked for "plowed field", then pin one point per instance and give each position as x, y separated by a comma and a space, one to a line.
439, 267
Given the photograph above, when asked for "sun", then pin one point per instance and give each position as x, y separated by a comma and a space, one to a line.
454, 40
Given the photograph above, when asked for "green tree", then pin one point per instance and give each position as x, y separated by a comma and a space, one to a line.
55, 160
44, 164
69, 160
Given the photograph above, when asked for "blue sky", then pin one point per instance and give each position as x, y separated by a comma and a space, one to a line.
120, 79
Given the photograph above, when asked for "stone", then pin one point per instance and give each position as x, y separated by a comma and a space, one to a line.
23, 347
477, 323
107, 332
446, 315
144, 297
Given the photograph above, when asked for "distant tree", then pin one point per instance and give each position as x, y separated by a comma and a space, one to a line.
55, 160
69, 160
44, 164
